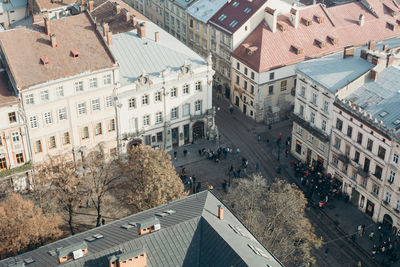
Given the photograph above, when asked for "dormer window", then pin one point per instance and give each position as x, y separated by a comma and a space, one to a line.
333, 40
247, 10
233, 23
282, 26
235, 4
319, 19
307, 22
44, 60
320, 43
222, 17
297, 50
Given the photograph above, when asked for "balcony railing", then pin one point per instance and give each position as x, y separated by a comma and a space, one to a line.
344, 158
362, 172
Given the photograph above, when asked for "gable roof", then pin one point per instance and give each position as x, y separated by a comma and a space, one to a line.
191, 236
74, 32
203, 10
277, 49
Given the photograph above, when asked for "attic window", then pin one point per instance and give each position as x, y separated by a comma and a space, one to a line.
233, 23
396, 122
235, 4
333, 40
320, 43
282, 26
383, 114
247, 10
392, 26
307, 22
222, 17
44, 60
297, 50
74, 53
319, 19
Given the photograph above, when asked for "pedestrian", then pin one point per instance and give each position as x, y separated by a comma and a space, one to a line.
237, 150
291, 163
326, 252
175, 154
257, 167
259, 138
287, 152
103, 221
280, 136
231, 108
244, 172
185, 152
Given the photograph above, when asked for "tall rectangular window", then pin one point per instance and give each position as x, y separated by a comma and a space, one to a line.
107, 79
186, 89
349, 131
78, 86
271, 76
145, 100
38, 146
314, 98
44, 95
359, 138
198, 86
98, 129
159, 117
283, 85
66, 138
29, 99
173, 91
132, 102
12, 117
146, 120
20, 158
339, 124
326, 106
186, 109
237, 79
82, 108
381, 152
93, 83
85, 133
157, 96
48, 118
60, 91
370, 143
62, 114
111, 125
109, 101
197, 105
174, 113
395, 159
323, 126
96, 104
312, 118
3, 164
52, 142
33, 122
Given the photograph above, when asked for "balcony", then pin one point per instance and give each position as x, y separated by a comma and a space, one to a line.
344, 158
362, 172
385, 202
324, 137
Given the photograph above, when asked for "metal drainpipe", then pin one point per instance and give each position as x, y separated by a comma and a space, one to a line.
165, 116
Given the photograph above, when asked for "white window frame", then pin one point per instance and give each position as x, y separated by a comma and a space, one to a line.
33, 122
62, 114
186, 110
395, 158
174, 92
93, 83
185, 89
60, 91
198, 86
15, 137
197, 106
44, 95
48, 118
30, 99
159, 117
146, 120
107, 79
96, 104
157, 97
82, 108
78, 86
174, 113
145, 99
109, 101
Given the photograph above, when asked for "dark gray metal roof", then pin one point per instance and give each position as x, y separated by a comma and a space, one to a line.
65, 251
191, 236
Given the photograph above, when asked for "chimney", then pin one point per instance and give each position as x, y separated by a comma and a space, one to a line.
106, 29
361, 20
390, 59
90, 6
47, 26
271, 18
385, 48
371, 45
373, 75
127, 15
109, 38
53, 40
220, 212
133, 21
148, 225
294, 17
156, 37
375, 60
117, 8
141, 29
364, 54
348, 51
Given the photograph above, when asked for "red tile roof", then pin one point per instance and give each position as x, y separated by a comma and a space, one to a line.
233, 12
7, 97
25, 46
276, 49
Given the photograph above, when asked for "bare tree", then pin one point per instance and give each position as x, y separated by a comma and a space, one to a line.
101, 175
276, 215
24, 226
149, 179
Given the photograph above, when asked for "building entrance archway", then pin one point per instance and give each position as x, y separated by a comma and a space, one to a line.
387, 222
198, 130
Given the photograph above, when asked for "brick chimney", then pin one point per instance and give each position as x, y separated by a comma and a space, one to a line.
364, 54
271, 17
127, 15
220, 212
109, 38
371, 45
47, 26
375, 60
390, 59
106, 29
373, 75
141, 29
53, 40
348, 51
157, 36
361, 20
294, 17
117, 8
90, 6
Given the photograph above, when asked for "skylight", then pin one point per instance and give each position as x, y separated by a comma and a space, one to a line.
233, 23
247, 10
222, 17
235, 4
383, 114
396, 122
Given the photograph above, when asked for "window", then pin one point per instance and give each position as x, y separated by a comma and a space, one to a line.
359, 138
299, 130
78, 86
111, 125
398, 204
157, 96
283, 85
395, 159
3, 164
303, 91
271, 76
252, 75
145, 100
298, 147
321, 146
366, 165
132, 102
388, 197
98, 129
238, 65
109, 101
33, 122
44, 95
237, 79
173, 92
301, 111
38, 146
326, 105
338, 141
339, 124
335, 160
146, 120
310, 138
93, 83
85, 133
62, 114
20, 158
198, 86
252, 89
245, 85
159, 118
197, 105
186, 89
59, 91
370, 143
186, 109
245, 70
29, 99
381, 152
174, 113
323, 126
271, 90
222, 17
82, 108
391, 176
349, 131
375, 189
191, 23
314, 98
48, 118
356, 156
12, 117
96, 104
66, 138
235, 4
347, 150
52, 142
247, 10
107, 79
312, 118
378, 172
159, 137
